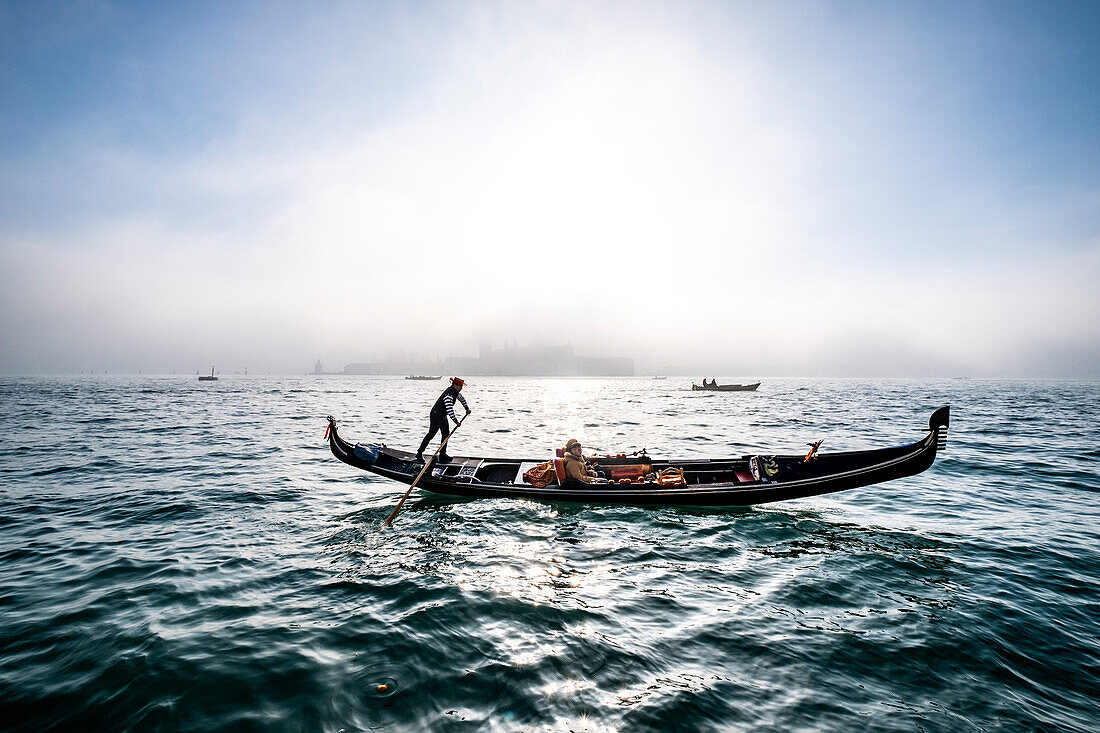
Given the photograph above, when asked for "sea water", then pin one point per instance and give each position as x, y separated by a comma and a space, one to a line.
185, 555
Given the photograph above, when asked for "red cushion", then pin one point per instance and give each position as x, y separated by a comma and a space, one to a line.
631, 471
559, 469
743, 476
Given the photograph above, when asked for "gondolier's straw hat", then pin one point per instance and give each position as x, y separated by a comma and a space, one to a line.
457, 382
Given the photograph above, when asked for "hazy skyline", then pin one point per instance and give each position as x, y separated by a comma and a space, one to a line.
834, 189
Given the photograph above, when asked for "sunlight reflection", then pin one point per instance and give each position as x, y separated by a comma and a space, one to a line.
526, 649
534, 574
567, 405
565, 687
592, 581
531, 582
584, 724
583, 630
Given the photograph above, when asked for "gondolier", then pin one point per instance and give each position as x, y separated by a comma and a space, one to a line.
443, 408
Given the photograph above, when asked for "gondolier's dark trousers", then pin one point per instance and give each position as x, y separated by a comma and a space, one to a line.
439, 423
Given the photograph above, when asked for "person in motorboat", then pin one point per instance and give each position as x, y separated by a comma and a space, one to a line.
443, 408
576, 468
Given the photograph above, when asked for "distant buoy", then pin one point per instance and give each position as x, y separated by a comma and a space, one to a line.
383, 688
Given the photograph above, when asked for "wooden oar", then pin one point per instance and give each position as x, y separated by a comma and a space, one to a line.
396, 509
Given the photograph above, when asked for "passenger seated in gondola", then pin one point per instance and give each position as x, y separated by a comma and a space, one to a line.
576, 469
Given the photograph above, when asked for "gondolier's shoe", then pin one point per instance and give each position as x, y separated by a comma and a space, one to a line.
419, 457
444, 458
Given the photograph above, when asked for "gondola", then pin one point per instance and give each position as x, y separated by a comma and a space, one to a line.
723, 387
743, 481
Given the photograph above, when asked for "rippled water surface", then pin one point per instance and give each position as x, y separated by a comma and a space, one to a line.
177, 555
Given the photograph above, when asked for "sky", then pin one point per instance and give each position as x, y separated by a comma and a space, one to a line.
858, 189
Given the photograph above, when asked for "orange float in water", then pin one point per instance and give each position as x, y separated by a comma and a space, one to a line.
383, 688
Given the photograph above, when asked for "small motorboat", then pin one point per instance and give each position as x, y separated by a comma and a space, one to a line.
425, 379
743, 481
714, 387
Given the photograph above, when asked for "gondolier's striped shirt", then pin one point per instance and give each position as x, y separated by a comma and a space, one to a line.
449, 403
